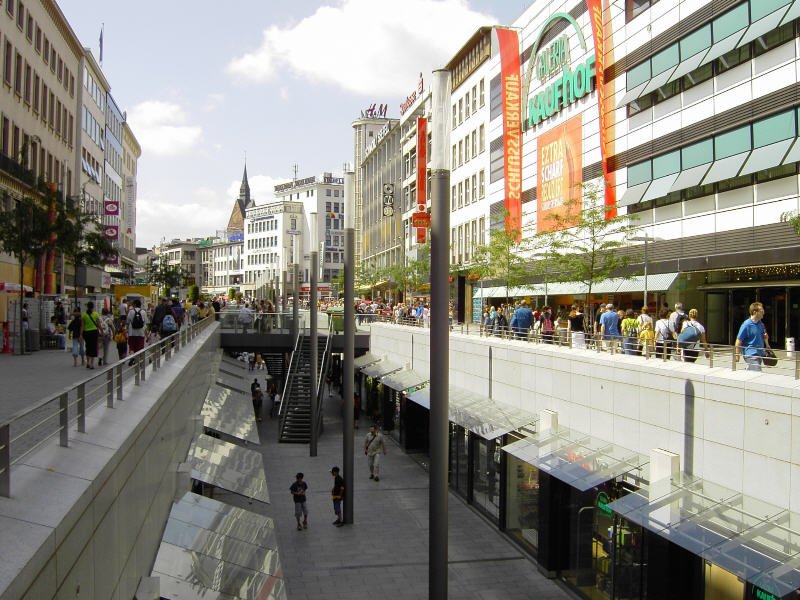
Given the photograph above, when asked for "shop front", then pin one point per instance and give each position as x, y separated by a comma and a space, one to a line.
479, 428
375, 401
406, 422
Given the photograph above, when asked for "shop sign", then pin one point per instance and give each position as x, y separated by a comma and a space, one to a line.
412, 97
422, 163
559, 172
421, 219
377, 139
760, 594
374, 111
602, 503
511, 100
282, 187
388, 199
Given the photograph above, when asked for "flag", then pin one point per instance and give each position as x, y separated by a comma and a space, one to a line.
101, 44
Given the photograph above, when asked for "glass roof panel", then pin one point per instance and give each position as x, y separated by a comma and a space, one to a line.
230, 412
229, 466
381, 368
403, 379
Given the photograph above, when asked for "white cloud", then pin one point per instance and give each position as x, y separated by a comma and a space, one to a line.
161, 128
213, 102
364, 46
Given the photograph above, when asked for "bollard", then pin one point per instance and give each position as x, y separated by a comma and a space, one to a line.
63, 418
82, 408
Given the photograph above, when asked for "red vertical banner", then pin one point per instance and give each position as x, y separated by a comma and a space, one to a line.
422, 164
598, 34
511, 97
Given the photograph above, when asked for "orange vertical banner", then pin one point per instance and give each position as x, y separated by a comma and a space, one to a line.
422, 164
511, 97
598, 34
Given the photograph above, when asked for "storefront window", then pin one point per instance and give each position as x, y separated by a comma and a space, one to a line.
486, 475
459, 460
522, 502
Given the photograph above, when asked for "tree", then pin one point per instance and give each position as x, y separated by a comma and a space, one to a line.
411, 276
585, 241
792, 217
369, 275
80, 238
24, 233
506, 259
165, 275
194, 293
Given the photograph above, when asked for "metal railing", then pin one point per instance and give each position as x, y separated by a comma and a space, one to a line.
786, 363
287, 386
31, 428
262, 322
320, 386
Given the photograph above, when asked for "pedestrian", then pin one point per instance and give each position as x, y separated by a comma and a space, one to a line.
609, 325
521, 320
644, 318
356, 409
547, 327
258, 398
159, 312
662, 334
298, 490
136, 322
121, 338
337, 495
647, 339
676, 320
752, 338
576, 327
107, 332
272, 391
90, 328
630, 331
692, 334
78, 348
373, 446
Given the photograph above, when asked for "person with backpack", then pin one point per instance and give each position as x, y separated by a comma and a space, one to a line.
78, 349
630, 333
676, 320
692, 334
547, 328
137, 323
169, 323
90, 332
662, 334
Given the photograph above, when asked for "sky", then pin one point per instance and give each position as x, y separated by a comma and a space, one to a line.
207, 85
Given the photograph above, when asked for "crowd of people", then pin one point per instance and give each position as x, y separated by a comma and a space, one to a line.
102, 338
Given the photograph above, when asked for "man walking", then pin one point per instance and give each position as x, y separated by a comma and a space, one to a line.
373, 446
337, 495
752, 338
298, 490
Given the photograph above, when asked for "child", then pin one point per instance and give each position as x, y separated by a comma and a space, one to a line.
647, 339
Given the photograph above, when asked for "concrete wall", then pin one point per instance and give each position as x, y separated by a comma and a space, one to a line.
737, 428
86, 521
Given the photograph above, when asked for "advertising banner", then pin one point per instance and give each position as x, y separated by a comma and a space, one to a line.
422, 163
559, 176
110, 207
111, 232
510, 88
598, 34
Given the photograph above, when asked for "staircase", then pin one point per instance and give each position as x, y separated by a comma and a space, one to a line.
295, 410
275, 366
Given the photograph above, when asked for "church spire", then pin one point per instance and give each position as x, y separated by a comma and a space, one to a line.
244, 190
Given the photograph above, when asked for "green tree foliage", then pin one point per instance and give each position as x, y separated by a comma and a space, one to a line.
416, 272
24, 233
80, 238
231, 294
194, 293
368, 275
506, 260
792, 217
587, 251
165, 275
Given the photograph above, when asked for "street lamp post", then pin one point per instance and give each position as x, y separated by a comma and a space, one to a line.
312, 306
644, 238
349, 344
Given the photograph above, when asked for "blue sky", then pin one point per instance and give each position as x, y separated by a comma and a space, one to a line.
205, 82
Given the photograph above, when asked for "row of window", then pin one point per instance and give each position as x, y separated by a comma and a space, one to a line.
727, 61
731, 23
96, 92
34, 35
468, 104
764, 133
93, 129
264, 242
465, 239
700, 191
90, 165
332, 207
25, 81
334, 257
469, 147
259, 226
30, 154
468, 191
264, 258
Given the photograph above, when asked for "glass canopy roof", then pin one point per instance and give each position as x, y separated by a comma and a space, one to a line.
230, 412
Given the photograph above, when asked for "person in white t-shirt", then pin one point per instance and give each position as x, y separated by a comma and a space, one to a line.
644, 318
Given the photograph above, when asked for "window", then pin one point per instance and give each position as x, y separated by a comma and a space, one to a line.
29, 28
10, 7
732, 142
466, 148
460, 194
733, 58
453, 165
474, 188
460, 152
460, 110
467, 104
466, 192
482, 137
18, 74
773, 39
474, 98
9, 64
27, 94
60, 69
20, 15
453, 199
482, 184
327, 193
38, 40
774, 129
46, 53
52, 59
454, 116
483, 94
633, 8
35, 93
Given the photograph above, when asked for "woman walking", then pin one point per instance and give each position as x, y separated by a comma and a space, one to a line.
90, 330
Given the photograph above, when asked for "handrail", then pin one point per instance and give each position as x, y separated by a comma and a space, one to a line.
321, 384
71, 404
287, 386
719, 355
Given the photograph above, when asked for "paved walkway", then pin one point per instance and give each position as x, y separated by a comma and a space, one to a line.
384, 553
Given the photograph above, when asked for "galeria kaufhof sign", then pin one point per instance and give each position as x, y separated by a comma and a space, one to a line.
563, 83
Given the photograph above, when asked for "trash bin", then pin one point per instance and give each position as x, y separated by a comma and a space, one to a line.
336, 319
790, 347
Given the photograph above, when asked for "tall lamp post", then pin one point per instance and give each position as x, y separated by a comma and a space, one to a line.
644, 238
440, 332
312, 306
349, 343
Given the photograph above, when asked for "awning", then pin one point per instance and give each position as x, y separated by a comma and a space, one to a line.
617, 285
404, 379
752, 539
13, 287
577, 459
381, 368
212, 549
479, 414
230, 412
365, 360
229, 466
